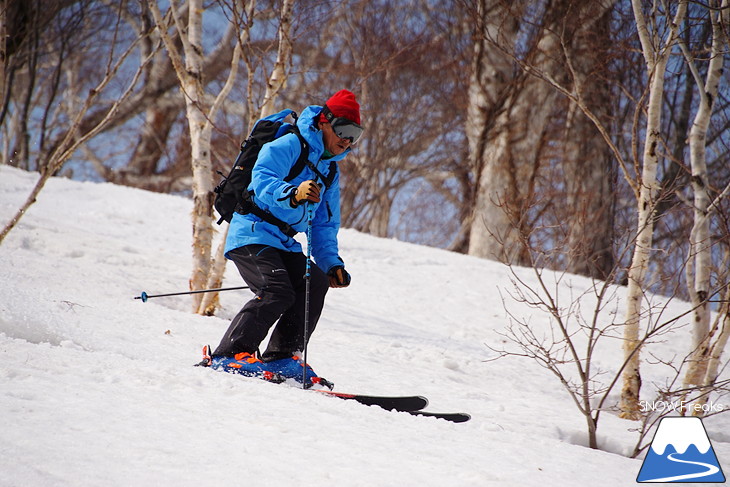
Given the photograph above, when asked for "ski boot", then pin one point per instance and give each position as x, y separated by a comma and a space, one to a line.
242, 363
293, 368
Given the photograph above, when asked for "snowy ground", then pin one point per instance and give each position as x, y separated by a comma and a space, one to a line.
97, 388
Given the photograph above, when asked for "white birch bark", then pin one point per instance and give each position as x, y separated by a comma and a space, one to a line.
717, 348
209, 301
656, 58
492, 120
275, 84
715, 353
188, 66
507, 127
200, 131
700, 256
279, 73
723, 321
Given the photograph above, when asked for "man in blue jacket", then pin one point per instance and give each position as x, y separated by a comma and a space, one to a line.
271, 261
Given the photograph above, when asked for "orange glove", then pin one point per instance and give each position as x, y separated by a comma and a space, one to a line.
307, 191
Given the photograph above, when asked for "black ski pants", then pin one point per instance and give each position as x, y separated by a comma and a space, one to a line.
278, 279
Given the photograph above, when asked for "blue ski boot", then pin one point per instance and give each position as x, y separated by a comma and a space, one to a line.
293, 368
242, 363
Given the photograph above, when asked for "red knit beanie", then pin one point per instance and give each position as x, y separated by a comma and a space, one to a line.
343, 104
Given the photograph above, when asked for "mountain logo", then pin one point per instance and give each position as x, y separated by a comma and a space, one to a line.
681, 452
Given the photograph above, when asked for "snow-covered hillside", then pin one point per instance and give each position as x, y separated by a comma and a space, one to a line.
97, 388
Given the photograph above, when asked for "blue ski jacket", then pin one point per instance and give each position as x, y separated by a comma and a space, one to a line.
272, 194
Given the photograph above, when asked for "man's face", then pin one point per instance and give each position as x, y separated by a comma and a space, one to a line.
332, 142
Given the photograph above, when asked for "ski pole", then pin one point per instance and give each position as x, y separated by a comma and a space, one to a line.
307, 284
144, 296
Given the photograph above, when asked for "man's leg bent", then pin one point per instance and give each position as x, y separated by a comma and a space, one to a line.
264, 271
288, 336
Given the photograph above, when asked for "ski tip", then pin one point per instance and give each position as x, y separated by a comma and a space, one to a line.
463, 418
451, 417
424, 399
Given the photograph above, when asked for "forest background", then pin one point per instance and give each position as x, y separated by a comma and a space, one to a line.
587, 137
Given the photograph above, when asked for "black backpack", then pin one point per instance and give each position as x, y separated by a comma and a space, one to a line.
231, 193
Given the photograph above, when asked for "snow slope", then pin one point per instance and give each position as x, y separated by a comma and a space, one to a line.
97, 388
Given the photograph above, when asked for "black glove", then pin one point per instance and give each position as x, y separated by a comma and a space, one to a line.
339, 277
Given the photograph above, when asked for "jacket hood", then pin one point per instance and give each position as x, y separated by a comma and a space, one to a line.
310, 132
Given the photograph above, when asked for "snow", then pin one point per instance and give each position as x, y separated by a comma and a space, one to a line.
97, 388
680, 433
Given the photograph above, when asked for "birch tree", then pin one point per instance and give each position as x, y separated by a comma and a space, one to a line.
715, 349
656, 53
519, 126
188, 62
496, 120
588, 163
699, 266
642, 178
274, 86
279, 73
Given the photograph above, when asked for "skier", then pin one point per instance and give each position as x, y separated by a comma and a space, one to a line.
270, 261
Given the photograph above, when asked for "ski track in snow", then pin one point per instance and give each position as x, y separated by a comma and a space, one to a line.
97, 388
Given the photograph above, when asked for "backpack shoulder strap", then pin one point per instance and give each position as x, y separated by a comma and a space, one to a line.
303, 159
330, 177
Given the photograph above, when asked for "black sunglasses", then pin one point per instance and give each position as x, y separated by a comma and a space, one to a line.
343, 128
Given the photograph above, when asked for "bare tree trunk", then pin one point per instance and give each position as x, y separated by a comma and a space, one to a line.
275, 84
379, 222
210, 301
590, 200
717, 348
656, 62
493, 108
588, 160
699, 265
200, 116
200, 130
279, 73
510, 127
4, 38
715, 353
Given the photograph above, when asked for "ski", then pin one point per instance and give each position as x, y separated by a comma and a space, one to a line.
405, 404
390, 403
413, 405
453, 417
